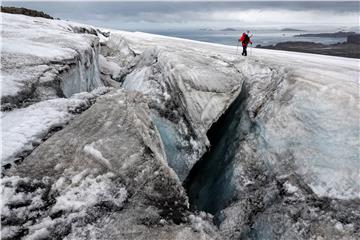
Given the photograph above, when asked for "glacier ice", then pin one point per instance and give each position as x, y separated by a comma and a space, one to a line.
36, 121
266, 145
45, 59
43, 62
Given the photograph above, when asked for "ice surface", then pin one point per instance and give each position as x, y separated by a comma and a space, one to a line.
90, 149
84, 77
77, 194
133, 192
84, 192
184, 87
32, 47
109, 68
178, 152
291, 169
23, 129
33, 123
313, 122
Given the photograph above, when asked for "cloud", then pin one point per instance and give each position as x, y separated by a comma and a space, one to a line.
257, 17
282, 17
135, 15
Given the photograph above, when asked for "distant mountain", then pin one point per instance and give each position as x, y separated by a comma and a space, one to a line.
206, 29
291, 30
228, 29
350, 48
339, 34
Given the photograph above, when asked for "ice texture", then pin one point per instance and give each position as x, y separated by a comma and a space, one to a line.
44, 58
268, 144
306, 105
24, 128
108, 177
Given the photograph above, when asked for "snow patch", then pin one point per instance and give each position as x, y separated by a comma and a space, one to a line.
96, 154
84, 192
21, 128
290, 188
73, 198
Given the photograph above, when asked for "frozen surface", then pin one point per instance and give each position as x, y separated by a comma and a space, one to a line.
284, 166
104, 176
77, 194
24, 128
312, 124
190, 91
301, 135
33, 123
42, 62
44, 58
178, 151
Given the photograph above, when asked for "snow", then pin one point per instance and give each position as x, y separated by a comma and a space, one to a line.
23, 128
42, 233
32, 123
33, 46
96, 154
136, 82
290, 188
37, 55
76, 193
300, 118
108, 67
86, 191
201, 223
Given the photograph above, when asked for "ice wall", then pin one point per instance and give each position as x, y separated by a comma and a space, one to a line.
83, 75
45, 59
44, 64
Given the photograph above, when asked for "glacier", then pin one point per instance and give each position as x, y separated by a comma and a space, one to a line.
108, 134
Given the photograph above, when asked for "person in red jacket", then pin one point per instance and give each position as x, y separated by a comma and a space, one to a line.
245, 40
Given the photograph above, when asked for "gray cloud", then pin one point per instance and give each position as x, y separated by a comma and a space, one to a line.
140, 15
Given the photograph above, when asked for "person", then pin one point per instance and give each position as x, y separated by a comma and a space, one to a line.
245, 40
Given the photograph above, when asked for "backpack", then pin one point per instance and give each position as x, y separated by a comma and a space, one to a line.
246, 39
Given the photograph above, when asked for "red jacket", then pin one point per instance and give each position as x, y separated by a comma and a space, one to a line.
245, 39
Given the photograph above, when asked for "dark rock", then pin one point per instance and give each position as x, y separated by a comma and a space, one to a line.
346, 49
339, 34
25, 11
355, 39
228, 29
291, 30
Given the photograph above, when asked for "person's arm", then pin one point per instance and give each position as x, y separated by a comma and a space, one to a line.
241, 38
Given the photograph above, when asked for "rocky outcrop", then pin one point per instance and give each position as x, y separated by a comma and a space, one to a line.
346, 49
25, 11
339, 34
354, 39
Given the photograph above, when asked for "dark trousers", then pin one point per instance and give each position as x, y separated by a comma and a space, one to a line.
244, 53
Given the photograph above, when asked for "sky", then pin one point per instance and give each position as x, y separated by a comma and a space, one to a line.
194, 15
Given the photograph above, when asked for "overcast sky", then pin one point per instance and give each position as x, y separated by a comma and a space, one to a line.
187, 15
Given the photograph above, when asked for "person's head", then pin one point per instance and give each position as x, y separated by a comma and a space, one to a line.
247, 31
